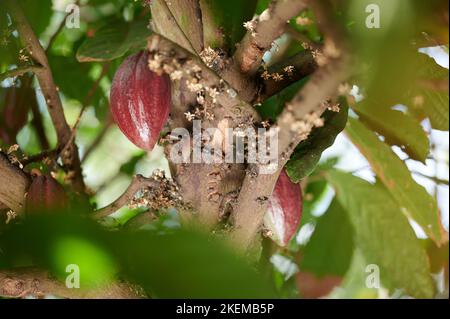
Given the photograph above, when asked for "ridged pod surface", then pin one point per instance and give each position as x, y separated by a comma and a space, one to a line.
284, 210
140, 101
46, 195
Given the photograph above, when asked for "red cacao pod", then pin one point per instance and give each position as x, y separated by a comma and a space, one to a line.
14, 112
284, 210
46, 195
140, 101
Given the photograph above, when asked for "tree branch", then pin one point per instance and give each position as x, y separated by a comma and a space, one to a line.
157, 192
303, 65
59, 29
98, 140
13, 185
86, 103
19, 71
138, 183
295, 124
164, 52
70, 158
269, 26
23, 282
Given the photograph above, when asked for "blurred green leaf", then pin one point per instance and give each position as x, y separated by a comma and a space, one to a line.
261, 6
183, 264
73, 78
330, 249
413, 198
313, 194
433, 103
273, 107
385, 53
129, 168
397, 127
226, 18
38, 13
114, 40
384, 235
307, 155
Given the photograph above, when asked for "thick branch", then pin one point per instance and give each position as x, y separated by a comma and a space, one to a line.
270, 26
165, 52
295, 124
13, 185
20, 283
70, 158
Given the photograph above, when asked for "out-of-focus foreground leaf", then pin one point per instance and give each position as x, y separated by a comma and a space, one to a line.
397, 128
413, 199
384, 235
179, 265
225, 18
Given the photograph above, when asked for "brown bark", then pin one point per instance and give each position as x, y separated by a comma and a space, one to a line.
13, 185
20, 283
49, 89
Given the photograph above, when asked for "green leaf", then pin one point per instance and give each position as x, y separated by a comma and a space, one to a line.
129, 168
186, 14
71, 76
180, 264
261, 6
307, 155
38, 13
272, 107
384, 235
330, 249
410, 196
433, 103
397, 127
114, 40
225, 18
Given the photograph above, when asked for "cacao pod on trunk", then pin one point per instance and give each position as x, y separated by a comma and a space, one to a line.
46, 195
140, 101
14, 107
284, 210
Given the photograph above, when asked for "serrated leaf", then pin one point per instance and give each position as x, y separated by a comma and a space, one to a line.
397, 127
330, 249
384, 235
113, 41
410, 196
307, 155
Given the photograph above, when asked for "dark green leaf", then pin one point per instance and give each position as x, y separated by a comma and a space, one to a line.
72, 78
307, 155
129, 168
182, 264
330, 249
226, 18
38, 13
114, 40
